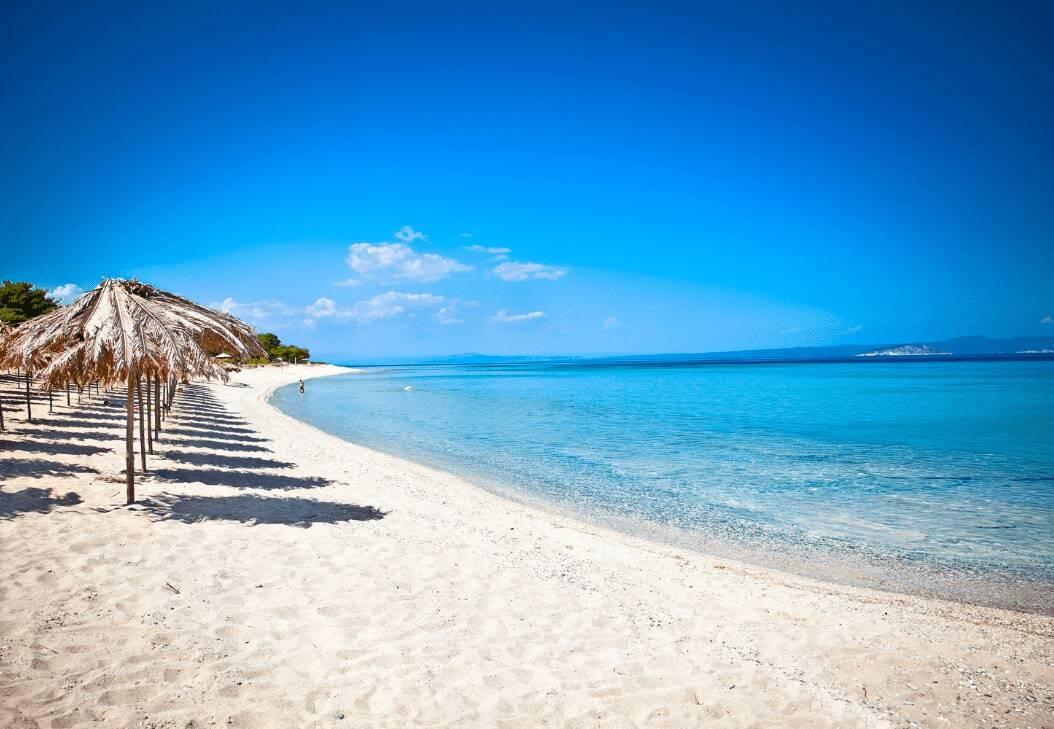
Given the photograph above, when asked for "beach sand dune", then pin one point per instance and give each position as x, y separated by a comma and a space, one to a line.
276, 576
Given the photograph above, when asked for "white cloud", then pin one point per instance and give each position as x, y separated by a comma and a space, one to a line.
407, 234
611, 323
451, 313
448, 315
789, 330
66, 294
500, 253
400, 262
392, 304
1047, 320
255, 312
388, 305
512, 271
854, 329
348, 282
466, 235
322, 308
506, 318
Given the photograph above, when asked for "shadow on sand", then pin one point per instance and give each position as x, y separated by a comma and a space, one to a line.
240, 479
253, 510
33, 501
94, 425
91, 414
207, 432
220, 445
94, 434
34, 446
223, 460
39, 468
211, 426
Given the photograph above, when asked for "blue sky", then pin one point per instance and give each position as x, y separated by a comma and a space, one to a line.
647, 177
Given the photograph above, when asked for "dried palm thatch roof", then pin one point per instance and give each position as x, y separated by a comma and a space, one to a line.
126, 327
121, 331
5, 329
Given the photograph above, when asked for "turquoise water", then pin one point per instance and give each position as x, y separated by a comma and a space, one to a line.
936, 477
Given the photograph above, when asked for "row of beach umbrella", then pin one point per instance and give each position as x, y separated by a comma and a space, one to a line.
124, 333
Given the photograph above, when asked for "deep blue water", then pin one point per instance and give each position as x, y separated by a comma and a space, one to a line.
943, 465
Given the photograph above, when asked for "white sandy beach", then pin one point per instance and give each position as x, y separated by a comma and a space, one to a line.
276, 576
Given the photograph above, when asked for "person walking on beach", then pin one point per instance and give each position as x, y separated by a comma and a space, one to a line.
301, 387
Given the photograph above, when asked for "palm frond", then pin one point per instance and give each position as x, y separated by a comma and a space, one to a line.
126, 326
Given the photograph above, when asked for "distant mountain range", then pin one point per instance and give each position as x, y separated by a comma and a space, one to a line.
958, 348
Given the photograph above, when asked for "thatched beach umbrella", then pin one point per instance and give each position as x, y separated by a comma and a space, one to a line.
121, 331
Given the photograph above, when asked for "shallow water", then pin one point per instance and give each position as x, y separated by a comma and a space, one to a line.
931, 477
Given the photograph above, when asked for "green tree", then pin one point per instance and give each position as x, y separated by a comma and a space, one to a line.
290, 353
274, 347
21, 300
269, 341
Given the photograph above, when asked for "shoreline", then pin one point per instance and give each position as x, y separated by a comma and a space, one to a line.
275, 575
894, 576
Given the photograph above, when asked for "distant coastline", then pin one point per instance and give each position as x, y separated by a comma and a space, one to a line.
961, 349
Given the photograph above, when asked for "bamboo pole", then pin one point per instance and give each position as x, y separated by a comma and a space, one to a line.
67, 394
142, 434
129, 438
51, 400
29, 403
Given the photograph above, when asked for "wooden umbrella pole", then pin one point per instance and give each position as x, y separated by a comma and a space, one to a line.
29, 403
51, 400
149, 420
67, 394
1, 415
157, 407
129, 439
142, 433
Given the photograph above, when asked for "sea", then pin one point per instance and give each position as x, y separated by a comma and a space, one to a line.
927, 477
